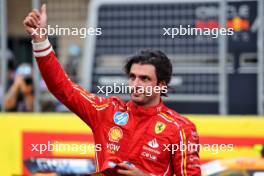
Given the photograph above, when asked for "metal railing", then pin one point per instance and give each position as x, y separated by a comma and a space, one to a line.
98, 47
260, 51
104, 13
3, 49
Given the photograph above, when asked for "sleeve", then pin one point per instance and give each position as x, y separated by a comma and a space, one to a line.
186, 161
82, 103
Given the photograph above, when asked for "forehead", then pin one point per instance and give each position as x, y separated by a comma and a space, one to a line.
142, 69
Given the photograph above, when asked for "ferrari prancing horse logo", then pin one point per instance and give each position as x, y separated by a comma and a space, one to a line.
159, 127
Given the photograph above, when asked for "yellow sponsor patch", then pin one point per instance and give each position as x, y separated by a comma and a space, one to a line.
115, 134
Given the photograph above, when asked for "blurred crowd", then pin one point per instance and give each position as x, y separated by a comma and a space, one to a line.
19, 90
20, 93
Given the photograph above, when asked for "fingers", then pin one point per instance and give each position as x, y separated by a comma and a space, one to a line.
125, 166
124, 172
125, 169
43, 9
37, 13
32, 20
19, 80
129, 170
28, 23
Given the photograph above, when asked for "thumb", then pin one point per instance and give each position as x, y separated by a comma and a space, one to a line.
43, 10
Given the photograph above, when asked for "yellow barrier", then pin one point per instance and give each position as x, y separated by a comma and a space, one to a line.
242, 130
12, 126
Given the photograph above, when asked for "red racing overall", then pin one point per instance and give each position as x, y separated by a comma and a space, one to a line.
149, 138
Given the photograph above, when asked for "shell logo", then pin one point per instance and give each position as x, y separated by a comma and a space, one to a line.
115, 134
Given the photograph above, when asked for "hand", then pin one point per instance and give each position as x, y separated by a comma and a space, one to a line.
125, 169
35, 21
19, 81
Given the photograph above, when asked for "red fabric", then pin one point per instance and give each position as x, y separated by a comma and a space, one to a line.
136, 141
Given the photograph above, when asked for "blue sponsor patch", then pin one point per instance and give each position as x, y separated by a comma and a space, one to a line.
121, 118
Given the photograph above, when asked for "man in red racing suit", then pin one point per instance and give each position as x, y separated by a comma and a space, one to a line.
134, 139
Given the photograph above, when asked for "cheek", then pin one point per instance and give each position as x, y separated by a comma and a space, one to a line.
130, 83
150, 84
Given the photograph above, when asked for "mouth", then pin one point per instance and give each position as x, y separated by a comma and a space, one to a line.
136, 94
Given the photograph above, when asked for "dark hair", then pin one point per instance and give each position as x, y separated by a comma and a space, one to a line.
153, 57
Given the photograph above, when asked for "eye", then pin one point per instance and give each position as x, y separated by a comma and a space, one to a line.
145, 78
131, 76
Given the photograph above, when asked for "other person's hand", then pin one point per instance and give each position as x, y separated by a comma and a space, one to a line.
130, 170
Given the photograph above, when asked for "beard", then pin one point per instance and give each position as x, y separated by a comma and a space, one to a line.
141, 99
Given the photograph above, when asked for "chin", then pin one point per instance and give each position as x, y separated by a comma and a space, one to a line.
137, 100
139, 103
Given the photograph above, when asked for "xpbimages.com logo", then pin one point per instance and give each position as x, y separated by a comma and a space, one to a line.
192, 31
65, 147
66, 31
193, 147
126, 89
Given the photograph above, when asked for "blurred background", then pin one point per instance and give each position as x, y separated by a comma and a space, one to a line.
217, 82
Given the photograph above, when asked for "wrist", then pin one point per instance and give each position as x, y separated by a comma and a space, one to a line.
39, 38
42, 48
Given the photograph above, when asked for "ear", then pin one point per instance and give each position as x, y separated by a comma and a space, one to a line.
162, 84
163, 88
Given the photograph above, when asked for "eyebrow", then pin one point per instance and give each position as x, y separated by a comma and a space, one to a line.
141, 76
144, 76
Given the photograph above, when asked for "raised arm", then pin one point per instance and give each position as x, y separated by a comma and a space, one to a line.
78, 100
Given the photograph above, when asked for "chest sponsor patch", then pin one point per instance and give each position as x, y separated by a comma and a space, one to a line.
121, 118
159, 127
112, 148
153, 143
149, 156
115, 134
